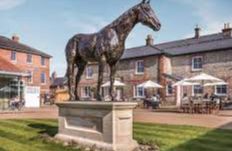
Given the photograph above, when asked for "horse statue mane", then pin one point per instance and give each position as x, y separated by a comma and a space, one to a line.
105, 47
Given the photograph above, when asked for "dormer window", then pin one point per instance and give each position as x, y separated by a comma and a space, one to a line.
42, 61
29, 58
13, 56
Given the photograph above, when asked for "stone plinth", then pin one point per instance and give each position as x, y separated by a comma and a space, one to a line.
107, 125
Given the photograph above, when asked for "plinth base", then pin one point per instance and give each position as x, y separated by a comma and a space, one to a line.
105, 125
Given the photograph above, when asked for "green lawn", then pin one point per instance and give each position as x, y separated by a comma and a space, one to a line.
24, 135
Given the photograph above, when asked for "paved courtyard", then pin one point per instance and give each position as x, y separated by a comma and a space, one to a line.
221, 120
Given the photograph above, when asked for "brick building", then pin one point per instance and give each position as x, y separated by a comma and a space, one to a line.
169, 62
21, 66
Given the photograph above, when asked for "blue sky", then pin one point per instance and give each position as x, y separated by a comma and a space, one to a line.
48, 24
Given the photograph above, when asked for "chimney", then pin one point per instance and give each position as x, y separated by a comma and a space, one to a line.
54, 76
227, 31
15, 38
149, 40
197, 31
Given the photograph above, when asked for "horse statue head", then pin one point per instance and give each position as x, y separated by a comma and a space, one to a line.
147, 16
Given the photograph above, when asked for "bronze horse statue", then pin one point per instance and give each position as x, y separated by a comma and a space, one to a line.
105, 46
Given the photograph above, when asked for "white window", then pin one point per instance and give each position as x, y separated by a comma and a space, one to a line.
13, 56
221, 90
30, 76
89, 72
139, 67
169, 89
138, 92
87, 91
197, 90
197, 63
105, 91
29, 58
43, 78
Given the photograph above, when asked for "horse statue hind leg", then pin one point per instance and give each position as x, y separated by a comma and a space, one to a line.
113, 67
73, 61
101, 65
81, 64
70, 58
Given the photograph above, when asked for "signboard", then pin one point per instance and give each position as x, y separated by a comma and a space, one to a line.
32, 96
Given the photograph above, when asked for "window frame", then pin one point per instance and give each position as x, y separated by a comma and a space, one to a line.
43, 61
45, 78
31, 60
88, 88
221, 94
193, 90
193, 63
31, 77
87, 72
167, 89
136, 92
137, 67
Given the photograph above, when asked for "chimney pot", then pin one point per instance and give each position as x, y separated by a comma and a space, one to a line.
227, 31
15, 38
197, 31
149, 40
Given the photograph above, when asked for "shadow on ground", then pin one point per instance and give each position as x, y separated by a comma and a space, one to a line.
214, 140
45, 129
171, 138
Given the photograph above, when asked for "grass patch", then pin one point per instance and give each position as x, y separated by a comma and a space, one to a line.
183, 138
24, 135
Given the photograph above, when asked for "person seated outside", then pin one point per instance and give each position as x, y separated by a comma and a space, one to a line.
206, 96
213, 97
185, 99
155, 100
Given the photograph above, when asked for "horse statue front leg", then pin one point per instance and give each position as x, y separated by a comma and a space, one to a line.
70, 76
100, 79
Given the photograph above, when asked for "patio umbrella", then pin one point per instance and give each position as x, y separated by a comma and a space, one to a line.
215, 84
150, 84
184, 83
204, 78
116, 84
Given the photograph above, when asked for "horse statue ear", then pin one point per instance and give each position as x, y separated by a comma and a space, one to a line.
144, 1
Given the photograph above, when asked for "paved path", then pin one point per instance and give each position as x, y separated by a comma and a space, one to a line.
222, 120
48, 112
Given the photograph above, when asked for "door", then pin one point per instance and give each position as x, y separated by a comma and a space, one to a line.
32, 96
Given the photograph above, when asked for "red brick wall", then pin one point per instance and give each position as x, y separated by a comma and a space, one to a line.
35, 67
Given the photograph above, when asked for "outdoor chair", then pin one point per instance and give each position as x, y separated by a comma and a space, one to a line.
185, 107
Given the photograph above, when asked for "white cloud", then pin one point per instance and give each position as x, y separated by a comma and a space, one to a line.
10, 4
83, 23
210, 18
